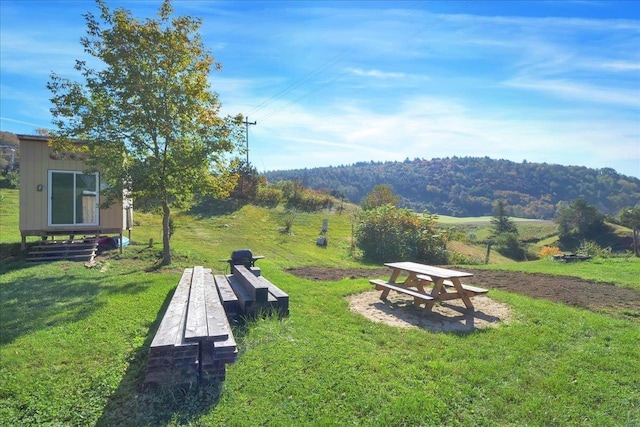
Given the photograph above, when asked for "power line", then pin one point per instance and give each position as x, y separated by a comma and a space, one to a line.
334, 61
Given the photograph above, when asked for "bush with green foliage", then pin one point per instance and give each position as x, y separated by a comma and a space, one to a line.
307, 200
588, 247
10, 180
505, 234
388, 234
303, 199
288, 217
268, 196
508, 244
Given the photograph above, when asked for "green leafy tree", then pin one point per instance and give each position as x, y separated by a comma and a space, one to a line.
380, 195
248, 181
579, 220
148, 118
630, 217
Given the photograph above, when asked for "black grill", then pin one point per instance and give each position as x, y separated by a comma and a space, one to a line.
242, 257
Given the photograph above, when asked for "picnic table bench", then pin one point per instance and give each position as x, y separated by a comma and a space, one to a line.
471, 291
386, 287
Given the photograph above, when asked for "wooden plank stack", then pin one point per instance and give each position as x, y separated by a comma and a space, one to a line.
256, 295
194, 341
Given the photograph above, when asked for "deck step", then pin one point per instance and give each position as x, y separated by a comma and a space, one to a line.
58, 250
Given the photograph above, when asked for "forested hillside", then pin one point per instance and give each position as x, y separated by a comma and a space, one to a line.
467, 186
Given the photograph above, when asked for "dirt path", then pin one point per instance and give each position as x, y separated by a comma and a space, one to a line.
398, 310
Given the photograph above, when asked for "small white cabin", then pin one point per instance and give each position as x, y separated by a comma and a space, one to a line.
59, 197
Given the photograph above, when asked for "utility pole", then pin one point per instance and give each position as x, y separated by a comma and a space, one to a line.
247, 123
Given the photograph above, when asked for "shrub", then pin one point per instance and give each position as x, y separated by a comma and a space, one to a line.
549, 251
310, 201
248, 182
388, 234
268, 196
508, 244
10, 180
580, 220
593, 249
456, 258
289, 218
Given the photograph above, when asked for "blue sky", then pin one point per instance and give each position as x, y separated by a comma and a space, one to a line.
334, 83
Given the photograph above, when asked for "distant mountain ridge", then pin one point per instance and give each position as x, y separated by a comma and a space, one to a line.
468, 186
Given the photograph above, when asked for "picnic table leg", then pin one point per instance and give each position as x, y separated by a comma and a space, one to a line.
462, 293
413, 281
438, 288
394, 275
428, 305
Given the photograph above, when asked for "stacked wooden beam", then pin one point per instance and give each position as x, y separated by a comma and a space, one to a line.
255, 295
194, 341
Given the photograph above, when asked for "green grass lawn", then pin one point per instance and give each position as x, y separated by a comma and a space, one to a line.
74, 343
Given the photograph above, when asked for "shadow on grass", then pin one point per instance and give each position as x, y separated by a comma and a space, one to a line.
213, 207
10, 252
134, 404
30, 304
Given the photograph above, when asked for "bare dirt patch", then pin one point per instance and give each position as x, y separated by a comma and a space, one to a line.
399, 311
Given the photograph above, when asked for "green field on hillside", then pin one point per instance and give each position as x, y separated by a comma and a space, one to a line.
74, 342
444, 219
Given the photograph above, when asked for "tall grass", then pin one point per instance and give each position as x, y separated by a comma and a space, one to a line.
74, 344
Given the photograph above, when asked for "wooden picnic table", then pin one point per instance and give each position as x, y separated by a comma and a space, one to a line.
445, 284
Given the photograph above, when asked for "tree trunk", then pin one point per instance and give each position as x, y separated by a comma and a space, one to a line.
636, 242
166, 233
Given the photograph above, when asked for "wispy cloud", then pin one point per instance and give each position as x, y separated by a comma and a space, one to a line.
376, 74
621, 66
579, 92
7, 121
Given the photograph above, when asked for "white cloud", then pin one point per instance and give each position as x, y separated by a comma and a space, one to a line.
621, 65
376, 74
579, 92
432, 127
